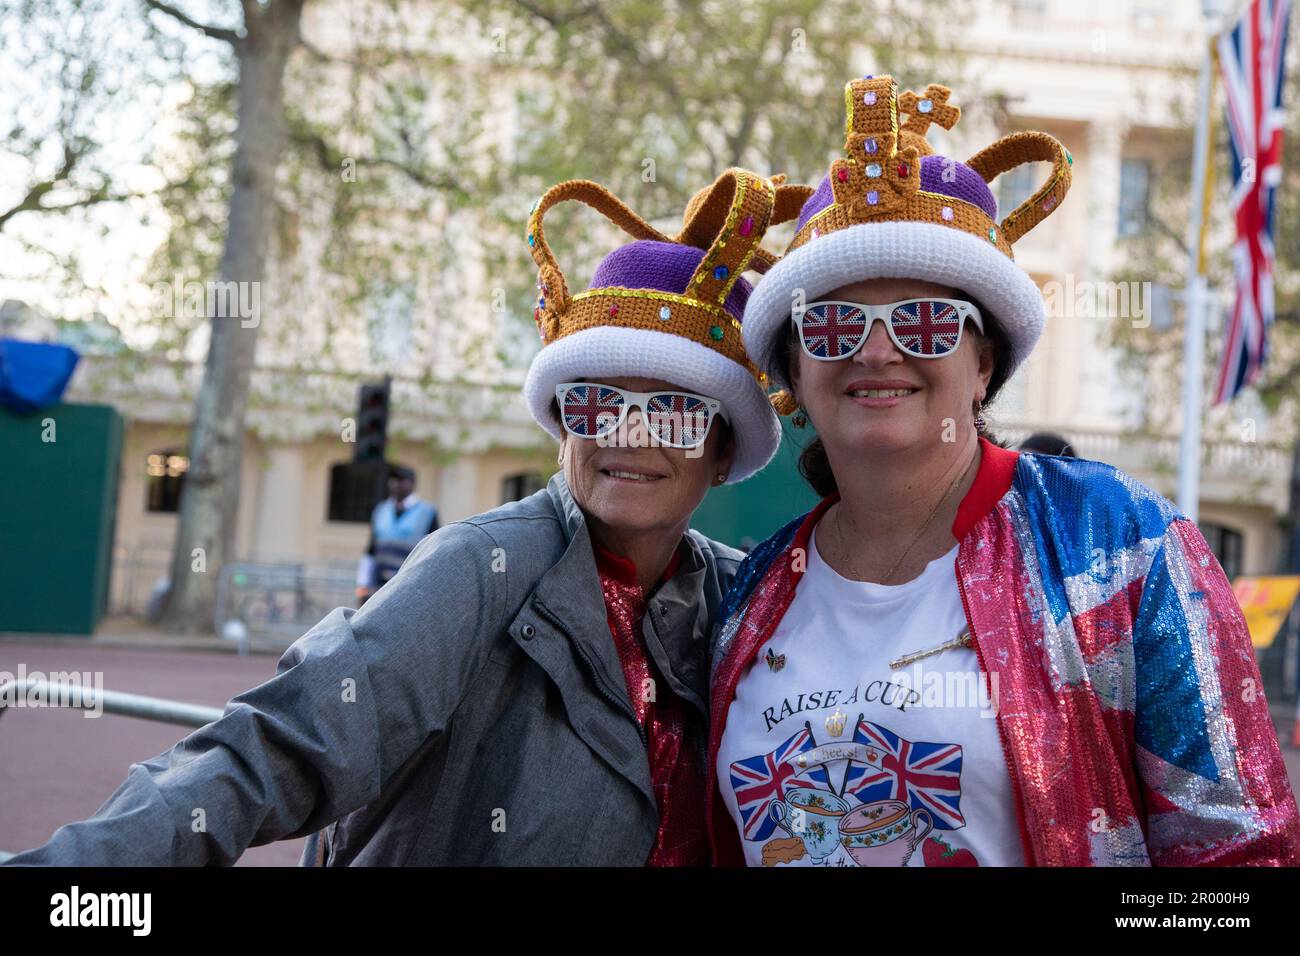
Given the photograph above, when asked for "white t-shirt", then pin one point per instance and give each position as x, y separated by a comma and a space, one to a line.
830, 757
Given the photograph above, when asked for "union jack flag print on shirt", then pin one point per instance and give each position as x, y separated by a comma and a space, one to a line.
758, 781
926, 776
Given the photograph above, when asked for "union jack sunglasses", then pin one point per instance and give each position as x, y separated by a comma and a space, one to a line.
675, 419
921, 328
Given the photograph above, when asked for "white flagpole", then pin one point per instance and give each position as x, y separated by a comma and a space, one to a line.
1194, 298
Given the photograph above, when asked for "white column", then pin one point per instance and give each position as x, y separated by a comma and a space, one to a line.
1091, 375
458, 489
278, 533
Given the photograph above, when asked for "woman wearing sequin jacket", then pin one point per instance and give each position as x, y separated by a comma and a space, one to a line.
964, 656
530, 687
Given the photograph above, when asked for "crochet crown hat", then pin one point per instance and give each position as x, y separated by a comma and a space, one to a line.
892, 208
665, 307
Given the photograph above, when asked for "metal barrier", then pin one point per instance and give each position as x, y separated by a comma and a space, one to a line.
110, 702
280, 601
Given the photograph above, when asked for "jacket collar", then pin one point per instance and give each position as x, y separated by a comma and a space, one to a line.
993, 480
571, 516
570, 591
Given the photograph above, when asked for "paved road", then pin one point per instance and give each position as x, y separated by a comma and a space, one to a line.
57, 766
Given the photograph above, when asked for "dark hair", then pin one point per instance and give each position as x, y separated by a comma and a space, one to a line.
401, 473
1048, 443
815, 464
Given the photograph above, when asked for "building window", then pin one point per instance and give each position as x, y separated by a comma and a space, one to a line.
1134, 194
1226, 545
1014, 187
1028, 12
517, 487
390, 323
1150, 14
165, 477
355, 489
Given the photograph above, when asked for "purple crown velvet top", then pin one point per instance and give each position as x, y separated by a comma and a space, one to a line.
663, 266
966, 185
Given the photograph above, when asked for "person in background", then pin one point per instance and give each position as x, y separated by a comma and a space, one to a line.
396, 527
1048, 443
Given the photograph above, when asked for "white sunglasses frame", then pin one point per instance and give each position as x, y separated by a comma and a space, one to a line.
640, 401
966, 310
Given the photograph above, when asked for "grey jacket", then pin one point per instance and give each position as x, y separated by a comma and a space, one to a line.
473, 712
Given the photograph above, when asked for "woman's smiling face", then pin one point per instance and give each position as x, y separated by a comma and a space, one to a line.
881, 399
632, 484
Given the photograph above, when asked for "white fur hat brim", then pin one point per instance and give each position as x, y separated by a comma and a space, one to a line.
612, 351
905, 250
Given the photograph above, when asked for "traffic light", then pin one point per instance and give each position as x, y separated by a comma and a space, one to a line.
372, 422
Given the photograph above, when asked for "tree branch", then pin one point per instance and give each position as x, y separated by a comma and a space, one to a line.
331, 160
553, 18
35, 205
217, 33
34, 200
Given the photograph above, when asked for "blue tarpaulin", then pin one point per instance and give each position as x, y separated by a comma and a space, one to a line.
33, 375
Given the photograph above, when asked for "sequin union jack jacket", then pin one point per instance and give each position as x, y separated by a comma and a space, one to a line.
1130, 706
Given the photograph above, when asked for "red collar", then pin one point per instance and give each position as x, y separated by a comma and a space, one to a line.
996, 471
622, 569
993, 480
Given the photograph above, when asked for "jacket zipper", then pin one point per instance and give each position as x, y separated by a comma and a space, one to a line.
605, 692
609, 695
1002, 732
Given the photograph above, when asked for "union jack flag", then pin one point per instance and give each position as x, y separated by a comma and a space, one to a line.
1251, 60
757, 781
925, 776
678, 418
831, 330
587, 408
927, 328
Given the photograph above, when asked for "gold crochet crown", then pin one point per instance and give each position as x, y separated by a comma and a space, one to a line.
727, 220
879, 178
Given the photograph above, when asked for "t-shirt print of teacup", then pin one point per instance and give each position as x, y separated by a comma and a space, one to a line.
894, 794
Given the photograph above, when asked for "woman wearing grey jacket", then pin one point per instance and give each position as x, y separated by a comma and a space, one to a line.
531, 686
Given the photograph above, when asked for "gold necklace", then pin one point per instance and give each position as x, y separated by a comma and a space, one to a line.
839, 529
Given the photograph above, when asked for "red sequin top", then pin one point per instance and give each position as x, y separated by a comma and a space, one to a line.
674, 766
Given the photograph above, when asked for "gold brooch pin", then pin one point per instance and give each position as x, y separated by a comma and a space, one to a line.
961, 640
